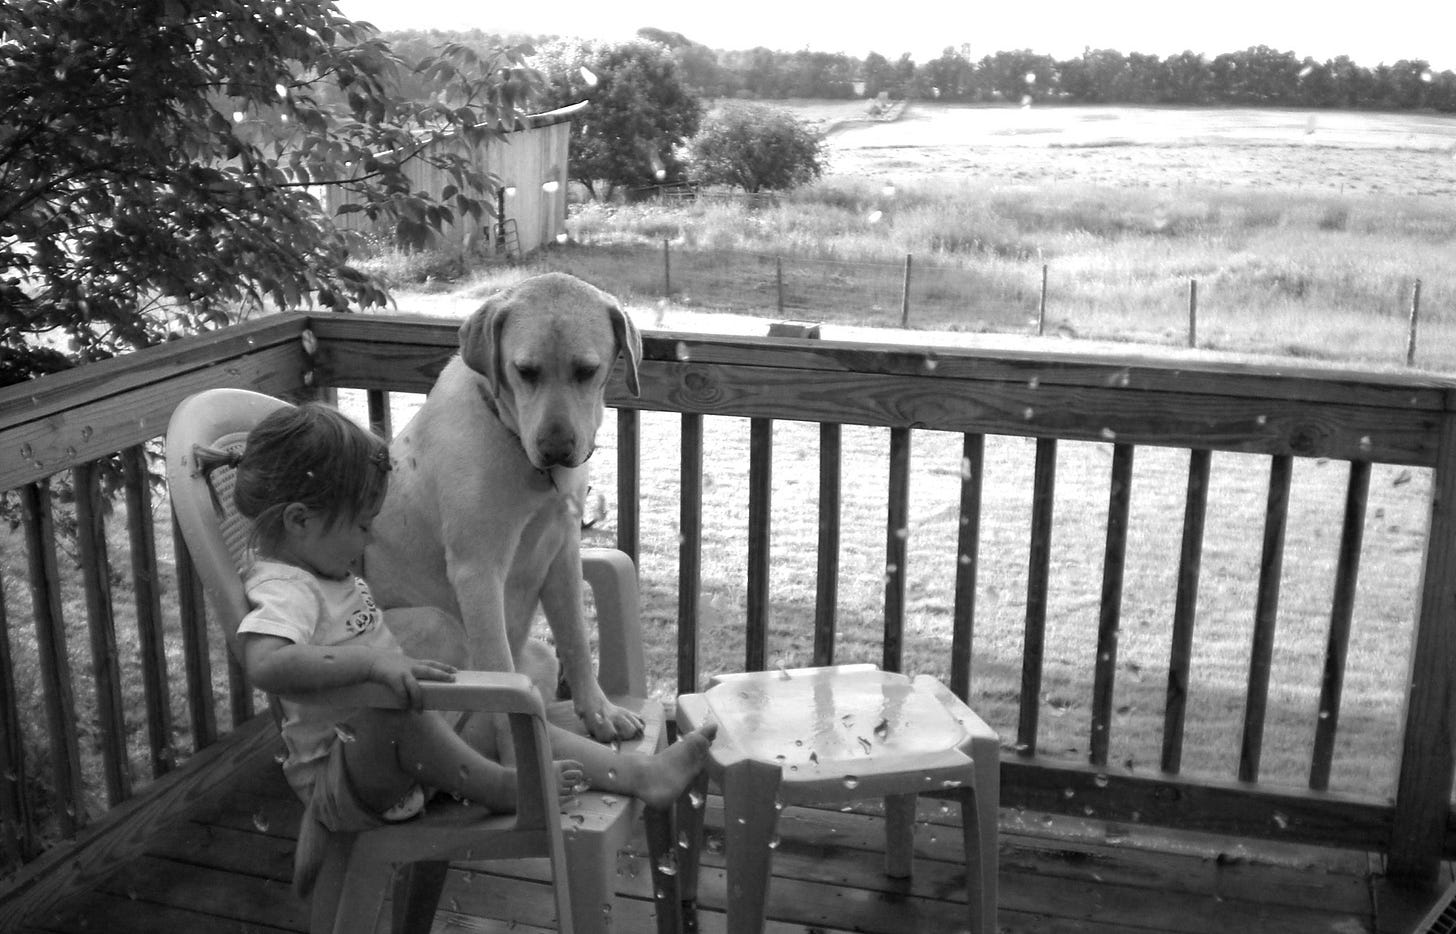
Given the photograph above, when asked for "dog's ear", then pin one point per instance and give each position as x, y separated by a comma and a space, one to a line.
629, 345
480, 340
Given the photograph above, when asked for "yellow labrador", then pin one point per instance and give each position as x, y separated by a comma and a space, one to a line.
483, 516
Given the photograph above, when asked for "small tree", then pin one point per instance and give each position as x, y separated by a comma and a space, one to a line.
756, 147
160, 160
641, 111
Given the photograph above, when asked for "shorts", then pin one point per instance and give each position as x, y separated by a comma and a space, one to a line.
335, 807
335, 804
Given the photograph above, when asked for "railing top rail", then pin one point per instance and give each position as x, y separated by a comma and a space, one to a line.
1140, 397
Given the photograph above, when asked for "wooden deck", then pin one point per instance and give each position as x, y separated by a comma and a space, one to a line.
224, 867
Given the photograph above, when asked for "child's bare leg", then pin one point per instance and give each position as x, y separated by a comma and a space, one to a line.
392, 749
657, 779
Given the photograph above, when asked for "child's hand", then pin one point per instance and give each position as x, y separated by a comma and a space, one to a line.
402, 675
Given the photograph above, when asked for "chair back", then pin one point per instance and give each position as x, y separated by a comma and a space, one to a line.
216, 535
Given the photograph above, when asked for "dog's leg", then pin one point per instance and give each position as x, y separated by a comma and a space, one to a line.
561, 602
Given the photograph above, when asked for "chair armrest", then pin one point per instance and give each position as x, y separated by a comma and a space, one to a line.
621, 668
487, 691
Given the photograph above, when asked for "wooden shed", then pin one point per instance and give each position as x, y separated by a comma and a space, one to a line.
530, 164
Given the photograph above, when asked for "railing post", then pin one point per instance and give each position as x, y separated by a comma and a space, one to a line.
1423, 786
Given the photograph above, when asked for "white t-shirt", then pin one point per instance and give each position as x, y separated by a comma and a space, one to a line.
296, 605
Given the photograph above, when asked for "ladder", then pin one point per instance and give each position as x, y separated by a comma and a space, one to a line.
506, 240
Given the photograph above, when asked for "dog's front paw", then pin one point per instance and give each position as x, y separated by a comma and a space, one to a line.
607, 722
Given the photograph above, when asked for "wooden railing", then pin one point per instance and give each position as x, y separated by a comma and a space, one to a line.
64, 432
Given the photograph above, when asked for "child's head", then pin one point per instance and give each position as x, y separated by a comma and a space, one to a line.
316, 457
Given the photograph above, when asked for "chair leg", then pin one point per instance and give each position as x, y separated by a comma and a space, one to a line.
323, 902
593, 870
417, 889
750, 815
899, 835
666, 857
690, 808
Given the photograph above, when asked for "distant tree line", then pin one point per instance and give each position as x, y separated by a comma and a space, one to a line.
1256, 76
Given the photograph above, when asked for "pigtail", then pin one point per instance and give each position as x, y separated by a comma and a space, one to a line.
210, 459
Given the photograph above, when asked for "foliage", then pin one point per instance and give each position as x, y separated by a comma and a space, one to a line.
160, 164
756, 148
641, 112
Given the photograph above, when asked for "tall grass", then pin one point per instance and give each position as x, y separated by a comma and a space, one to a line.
1313, 275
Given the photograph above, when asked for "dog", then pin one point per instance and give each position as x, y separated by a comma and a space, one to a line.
484, 509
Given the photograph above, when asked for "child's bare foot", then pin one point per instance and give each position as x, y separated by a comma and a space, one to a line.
666, 775
570, 777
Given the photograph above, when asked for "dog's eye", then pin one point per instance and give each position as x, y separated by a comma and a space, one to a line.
528, 374
586, 373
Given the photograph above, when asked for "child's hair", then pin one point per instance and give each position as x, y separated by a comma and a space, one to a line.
309, 454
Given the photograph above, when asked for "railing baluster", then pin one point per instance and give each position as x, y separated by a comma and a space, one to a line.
381, 422
1044, 482
146, 587
690, 553
629, 483
1347, 571
1185, 608
101, 625
897, 530
826, 597
54, 661
17, 828
196, 663
1114, 559
760, 508
968, 550
1266, 614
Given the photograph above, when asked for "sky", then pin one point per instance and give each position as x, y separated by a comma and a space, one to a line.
1369, 33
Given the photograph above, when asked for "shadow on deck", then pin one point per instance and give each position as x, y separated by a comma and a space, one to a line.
224, 867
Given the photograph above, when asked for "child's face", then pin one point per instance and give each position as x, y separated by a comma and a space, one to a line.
330, 549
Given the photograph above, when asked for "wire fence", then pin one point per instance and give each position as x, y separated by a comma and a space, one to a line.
885, 294
912, 292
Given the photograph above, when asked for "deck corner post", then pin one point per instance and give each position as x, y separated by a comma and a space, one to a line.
1423, 787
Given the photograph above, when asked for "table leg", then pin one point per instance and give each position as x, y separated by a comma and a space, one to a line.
980, 898
899, 835
690, 808
750, 816
665, 854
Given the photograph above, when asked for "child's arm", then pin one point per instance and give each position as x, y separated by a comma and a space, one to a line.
280, 666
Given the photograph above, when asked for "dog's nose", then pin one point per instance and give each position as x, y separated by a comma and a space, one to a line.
556, 449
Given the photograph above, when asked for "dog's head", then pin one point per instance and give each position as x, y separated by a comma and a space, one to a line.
546, 347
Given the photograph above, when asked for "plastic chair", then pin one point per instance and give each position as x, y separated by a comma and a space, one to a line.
580, 842
819, 736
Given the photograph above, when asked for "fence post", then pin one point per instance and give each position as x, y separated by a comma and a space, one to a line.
779, 282
1192, 312
666, 270
1041, 305
905, 295
1410, 347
